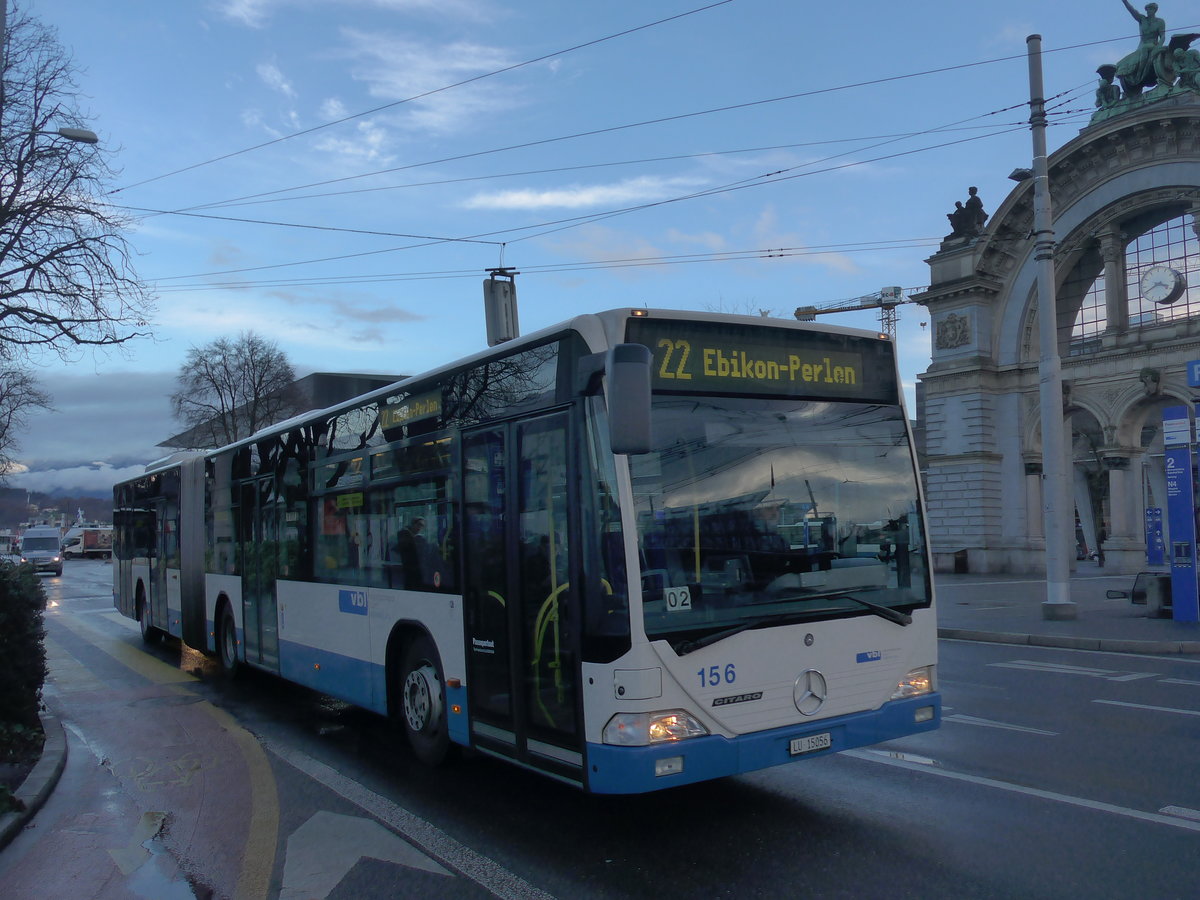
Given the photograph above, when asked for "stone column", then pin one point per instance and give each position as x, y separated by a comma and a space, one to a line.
1116, 298
1125, 550
1121, 524
1035, 526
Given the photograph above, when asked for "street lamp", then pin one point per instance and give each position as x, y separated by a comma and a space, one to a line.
79, 135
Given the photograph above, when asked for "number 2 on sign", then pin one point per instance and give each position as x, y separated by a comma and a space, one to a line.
678, 599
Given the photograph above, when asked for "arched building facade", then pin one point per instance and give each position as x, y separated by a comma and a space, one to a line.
1126, 199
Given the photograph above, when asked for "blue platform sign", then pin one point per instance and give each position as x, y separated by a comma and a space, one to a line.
1193, 373
1181, 511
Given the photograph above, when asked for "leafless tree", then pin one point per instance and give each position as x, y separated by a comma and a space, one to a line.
230, 389
66, 278
19, 395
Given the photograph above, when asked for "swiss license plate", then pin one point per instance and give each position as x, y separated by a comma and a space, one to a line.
809, 744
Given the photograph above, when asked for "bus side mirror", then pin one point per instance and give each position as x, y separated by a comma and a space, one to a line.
626, 369
628, 373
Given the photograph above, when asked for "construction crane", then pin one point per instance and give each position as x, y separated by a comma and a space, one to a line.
885, 300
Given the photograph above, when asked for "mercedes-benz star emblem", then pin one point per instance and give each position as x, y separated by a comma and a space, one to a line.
810, 692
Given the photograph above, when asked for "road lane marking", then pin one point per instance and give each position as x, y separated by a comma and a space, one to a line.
1064, 669
1168, 709
988, 723
1181, 681
422, 834
1053, 796
907, 757
322, 851
1182, 811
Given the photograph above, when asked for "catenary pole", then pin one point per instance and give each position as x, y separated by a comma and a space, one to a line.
1056, 498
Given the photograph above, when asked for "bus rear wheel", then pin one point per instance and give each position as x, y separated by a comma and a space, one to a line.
150, 634
227, 648
423, 702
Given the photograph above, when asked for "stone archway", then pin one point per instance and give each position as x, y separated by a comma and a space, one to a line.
1115, 188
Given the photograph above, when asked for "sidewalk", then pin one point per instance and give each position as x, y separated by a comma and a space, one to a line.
1008, 609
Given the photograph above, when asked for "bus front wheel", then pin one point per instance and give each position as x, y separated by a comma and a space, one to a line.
227, 650
423, 702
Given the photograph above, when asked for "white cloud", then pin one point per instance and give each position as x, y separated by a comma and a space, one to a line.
86, 480
633, 191
272, 76
596, 243
368, 145
333, 108
254, 13
397, 69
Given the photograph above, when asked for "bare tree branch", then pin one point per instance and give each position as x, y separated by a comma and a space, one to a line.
19, 396
229, 389
66, 275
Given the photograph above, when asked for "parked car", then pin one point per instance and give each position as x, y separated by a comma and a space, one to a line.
1152, 590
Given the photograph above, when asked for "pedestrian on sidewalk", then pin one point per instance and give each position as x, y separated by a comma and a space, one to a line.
1100, 539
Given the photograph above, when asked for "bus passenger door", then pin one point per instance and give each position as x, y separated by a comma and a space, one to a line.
522, 615
258, 535
158, 566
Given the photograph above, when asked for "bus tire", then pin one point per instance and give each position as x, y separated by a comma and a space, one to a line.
227, 643
150, 634
423, 702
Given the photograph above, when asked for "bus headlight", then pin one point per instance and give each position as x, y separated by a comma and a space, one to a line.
915, 683
643, 729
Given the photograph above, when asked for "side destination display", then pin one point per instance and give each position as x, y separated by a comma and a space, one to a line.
712, 358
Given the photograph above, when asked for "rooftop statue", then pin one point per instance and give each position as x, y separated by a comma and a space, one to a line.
1167, 68
1107, 94
1138, 70
967, 221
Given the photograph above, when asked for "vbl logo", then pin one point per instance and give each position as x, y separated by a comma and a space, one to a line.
354, 602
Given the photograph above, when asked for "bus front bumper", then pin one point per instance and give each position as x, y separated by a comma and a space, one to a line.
636, 770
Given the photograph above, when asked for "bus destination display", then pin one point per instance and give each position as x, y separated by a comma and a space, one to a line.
699, 357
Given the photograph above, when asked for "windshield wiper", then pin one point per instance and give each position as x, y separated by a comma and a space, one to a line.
686, 647
884, 612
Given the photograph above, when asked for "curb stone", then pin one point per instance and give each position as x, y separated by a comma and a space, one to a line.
40, 782
1110, 645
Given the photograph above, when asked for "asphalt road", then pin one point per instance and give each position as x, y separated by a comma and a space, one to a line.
1056, 774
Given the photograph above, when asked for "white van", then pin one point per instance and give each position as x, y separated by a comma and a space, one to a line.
41, 548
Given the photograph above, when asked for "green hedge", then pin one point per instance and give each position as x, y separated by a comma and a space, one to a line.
22, 654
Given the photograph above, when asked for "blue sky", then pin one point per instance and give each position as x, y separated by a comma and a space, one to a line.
743, 156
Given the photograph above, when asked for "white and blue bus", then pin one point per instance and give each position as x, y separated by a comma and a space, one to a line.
641, 549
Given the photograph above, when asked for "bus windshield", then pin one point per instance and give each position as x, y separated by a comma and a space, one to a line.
754, 512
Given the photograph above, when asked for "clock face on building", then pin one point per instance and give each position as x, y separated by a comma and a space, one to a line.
1162, 284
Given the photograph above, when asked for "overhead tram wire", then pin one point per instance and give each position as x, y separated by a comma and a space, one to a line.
594, 132
755, 181
245, 221
429, 93
600, 165
553, 170
561, 224
552, 268
575, 221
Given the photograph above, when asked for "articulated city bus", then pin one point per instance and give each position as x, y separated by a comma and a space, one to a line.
637, 550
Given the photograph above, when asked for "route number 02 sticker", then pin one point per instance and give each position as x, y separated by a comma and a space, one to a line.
678, 599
